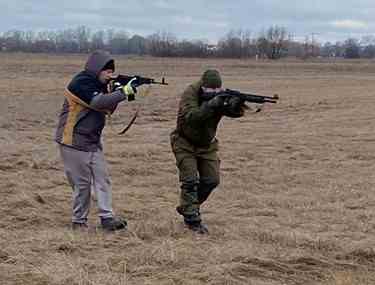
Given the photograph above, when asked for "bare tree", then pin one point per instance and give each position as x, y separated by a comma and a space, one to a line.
192, 49
231, 45
352, 48
14, 40
66, 41
118, 43
277, 40
368, 46
97, 40
249, 46
272, 43
82, 36
328, 50
137, 45
162, 44
262, 46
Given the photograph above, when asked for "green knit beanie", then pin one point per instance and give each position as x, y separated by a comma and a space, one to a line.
211, 79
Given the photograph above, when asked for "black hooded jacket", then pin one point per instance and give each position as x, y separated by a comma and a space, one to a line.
80, 127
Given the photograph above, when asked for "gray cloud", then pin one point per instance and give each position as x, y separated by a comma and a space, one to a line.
194, 19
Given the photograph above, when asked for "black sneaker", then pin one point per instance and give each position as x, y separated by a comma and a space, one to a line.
79, 226
180, 210
113, 224
197, 227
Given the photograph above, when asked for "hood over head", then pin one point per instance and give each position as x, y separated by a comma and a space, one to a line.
98, 60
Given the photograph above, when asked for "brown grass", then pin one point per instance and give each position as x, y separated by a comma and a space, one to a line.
296, 203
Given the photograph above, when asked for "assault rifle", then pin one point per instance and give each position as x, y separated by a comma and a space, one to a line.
139, 80
122, 80
251, 98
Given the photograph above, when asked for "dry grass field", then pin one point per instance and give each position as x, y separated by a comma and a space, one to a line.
297, 199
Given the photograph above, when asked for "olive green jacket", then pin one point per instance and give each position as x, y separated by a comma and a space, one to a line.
196, 122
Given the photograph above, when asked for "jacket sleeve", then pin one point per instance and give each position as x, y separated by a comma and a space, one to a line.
89, 92
107, 101
194, 112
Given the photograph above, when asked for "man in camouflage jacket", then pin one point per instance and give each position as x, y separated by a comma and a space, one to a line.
195, 146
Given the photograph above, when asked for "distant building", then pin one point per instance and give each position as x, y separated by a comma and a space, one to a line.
212, 48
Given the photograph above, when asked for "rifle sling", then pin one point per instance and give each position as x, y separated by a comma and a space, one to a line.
130, 123
73, 98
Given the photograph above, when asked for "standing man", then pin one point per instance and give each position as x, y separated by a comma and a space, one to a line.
88, 99
195, 146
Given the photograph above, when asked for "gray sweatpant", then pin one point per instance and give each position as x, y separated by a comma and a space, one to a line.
87, 171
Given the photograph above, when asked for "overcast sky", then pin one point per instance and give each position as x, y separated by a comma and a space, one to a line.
195, 19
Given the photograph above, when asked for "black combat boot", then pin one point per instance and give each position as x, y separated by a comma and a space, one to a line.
197, 227
193, 222
113, 224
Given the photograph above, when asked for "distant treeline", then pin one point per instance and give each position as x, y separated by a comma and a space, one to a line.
272, 43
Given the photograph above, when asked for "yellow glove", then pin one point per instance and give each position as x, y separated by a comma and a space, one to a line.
130, 90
